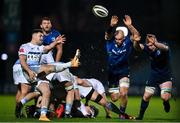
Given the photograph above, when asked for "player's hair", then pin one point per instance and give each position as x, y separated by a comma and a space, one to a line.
45, 18
36, 31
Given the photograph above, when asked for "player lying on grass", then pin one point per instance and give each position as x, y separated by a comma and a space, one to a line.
160, 74
97, 86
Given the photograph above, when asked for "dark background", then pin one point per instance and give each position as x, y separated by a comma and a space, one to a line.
83, 30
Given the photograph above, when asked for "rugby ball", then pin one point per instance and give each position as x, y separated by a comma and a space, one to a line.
100, 11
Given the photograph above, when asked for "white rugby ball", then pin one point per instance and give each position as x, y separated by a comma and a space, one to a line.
100, 11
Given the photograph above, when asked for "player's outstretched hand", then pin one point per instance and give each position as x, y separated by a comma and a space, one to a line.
136, 37
127, 20
61, 39
114, 21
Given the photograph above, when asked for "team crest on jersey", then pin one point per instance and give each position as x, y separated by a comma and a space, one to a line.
21, 50
53, 38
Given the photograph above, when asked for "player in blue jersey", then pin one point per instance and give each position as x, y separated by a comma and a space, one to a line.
160, 74
119, 46
50, 35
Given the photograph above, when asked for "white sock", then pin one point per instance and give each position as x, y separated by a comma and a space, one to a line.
62, 66
83, 109
24, 100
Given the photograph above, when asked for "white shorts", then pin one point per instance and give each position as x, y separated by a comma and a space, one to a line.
18, 75
84, 91
65, 75
97, 85
41, 81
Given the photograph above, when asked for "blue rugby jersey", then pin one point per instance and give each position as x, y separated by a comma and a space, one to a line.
118, 55
160, 61
48, 39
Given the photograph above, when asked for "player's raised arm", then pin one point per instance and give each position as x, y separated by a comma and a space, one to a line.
152, 39
113, 23
59, 40
128, 22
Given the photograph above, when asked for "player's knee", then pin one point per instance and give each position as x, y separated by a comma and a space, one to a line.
114, 97
46, 91
69, 86
146, 97
123, 94
165, 96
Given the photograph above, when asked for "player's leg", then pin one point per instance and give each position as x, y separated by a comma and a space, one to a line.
108, 113
66, 77
149, 92
18, 93
166, 88
25, 88
58, 67
113, 87
123, 91
43, 87
98, 98
100, 89
69, 98
25, 99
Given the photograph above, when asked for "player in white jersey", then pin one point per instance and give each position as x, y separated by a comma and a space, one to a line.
29, 55
50, 35
98, 86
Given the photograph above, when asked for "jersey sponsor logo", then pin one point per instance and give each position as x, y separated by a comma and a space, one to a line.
33, 56
119, 51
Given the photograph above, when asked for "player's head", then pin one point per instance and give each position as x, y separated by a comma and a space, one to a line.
150, 38
46, 24
37, 36
120, 34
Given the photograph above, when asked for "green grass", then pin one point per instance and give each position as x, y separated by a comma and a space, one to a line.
154, 113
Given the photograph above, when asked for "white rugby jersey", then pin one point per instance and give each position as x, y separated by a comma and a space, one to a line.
96, 84
32, 52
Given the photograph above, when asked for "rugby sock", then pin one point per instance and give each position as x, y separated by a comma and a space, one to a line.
143, 108
77, 103
68, 108
166, 106
122, 109
83, 109
24, 100
43, 110
61, 66
112, 107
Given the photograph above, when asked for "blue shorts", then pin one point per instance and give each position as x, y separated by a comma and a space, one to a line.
156, 79
113, 79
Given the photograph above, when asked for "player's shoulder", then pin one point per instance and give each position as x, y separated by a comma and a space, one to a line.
25, 45
54, 31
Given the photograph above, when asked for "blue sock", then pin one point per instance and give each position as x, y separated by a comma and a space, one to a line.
68, 108
143, 107
43, 110
122, 110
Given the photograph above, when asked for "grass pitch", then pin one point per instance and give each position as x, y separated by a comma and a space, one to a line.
154, 113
